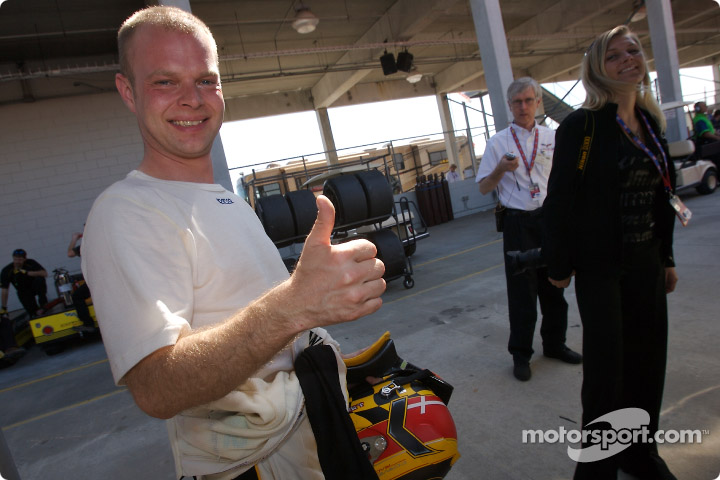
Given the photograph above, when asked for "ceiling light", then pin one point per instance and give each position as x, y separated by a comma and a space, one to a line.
414, 77
639, 11
305, 21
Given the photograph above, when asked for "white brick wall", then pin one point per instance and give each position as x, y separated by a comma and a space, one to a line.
56, 156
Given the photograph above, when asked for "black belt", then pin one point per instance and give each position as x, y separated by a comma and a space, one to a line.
523, 213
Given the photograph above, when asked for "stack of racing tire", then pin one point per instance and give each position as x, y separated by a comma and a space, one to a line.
363, 198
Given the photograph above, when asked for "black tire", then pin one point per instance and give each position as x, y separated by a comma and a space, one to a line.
709, 182
275, 215
304, 211
51, 350
348, 197
378, 193
410, 249
389, 251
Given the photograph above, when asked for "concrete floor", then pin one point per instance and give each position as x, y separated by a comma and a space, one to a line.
62, 417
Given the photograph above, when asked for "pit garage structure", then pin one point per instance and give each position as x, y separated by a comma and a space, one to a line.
66, 135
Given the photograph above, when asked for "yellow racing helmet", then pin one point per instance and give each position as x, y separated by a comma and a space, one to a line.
403, 422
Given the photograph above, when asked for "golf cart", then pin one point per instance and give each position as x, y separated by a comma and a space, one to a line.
692, 172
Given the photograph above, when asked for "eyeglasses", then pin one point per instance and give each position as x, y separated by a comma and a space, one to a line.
19, 253
520, 101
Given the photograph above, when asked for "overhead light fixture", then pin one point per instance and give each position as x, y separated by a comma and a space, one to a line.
639, 11
305, 20
414, 77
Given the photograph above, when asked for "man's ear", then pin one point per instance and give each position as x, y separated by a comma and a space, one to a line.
125, 88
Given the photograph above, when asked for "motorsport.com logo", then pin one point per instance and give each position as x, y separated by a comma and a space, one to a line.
627, 426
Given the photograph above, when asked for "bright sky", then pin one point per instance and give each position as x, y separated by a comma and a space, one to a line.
262, 140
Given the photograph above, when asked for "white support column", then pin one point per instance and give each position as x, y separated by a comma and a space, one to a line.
221, 174
327, 136
495, 56
181, 4
448, 129
716, 78
662, 35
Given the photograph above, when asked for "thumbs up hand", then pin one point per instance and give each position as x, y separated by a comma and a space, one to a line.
334, 283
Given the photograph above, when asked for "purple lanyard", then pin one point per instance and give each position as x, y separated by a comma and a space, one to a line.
664, 174
522, 152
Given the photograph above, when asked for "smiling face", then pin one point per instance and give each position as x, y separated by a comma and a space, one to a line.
624, 61
175, 94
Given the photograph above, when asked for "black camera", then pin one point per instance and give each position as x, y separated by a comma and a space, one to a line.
522, 261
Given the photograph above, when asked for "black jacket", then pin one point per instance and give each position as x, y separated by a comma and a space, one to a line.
582, 215
21, 281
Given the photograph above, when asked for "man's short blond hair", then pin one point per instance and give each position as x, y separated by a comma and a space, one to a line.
172, 19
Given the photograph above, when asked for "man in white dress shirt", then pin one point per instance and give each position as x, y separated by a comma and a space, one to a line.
517, 162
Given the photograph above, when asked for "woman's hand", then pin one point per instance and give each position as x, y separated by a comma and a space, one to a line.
560, 283
671, 279
564, 283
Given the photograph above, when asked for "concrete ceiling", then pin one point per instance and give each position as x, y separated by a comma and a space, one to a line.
52, 48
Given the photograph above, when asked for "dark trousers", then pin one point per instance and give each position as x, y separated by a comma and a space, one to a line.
27, 296
624, 317
78, 297
7, 336
523, 232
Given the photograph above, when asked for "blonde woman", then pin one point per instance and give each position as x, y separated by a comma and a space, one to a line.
609, 221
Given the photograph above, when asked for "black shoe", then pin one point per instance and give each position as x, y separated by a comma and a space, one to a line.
9, 357
521, 370
651, 468
15, 352
565, 355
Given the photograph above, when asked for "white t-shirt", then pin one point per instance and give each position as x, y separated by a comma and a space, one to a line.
161, 257
514, 187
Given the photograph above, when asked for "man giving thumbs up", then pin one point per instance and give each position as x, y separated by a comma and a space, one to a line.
198, 315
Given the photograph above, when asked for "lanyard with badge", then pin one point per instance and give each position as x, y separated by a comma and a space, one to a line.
534, 187
682, 212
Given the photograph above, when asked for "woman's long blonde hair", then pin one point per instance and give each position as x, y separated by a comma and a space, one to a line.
601, 89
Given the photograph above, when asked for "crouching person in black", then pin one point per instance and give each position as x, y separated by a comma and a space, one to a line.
28, 278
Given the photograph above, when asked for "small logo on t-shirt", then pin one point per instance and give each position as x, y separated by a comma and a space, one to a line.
225, 201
